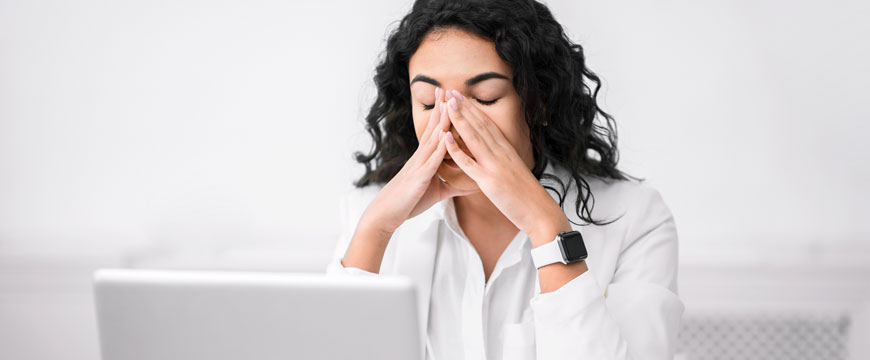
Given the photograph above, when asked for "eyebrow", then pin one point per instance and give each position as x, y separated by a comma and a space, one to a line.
485, 76
470, 82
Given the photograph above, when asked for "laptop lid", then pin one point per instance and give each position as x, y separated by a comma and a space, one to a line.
221, 315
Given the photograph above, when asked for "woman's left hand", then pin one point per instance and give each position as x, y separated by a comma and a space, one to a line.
501, 174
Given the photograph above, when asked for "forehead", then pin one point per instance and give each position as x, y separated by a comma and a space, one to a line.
454, 54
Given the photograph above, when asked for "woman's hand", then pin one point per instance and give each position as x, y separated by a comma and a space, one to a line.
415, 187
500, 173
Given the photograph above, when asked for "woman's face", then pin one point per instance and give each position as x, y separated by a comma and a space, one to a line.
454, 59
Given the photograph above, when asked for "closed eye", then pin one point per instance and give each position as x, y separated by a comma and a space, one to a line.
486, 102
481, 101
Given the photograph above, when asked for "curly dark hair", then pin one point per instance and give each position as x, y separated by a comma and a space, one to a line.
549, 71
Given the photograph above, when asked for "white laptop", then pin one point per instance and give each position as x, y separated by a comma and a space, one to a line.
217, 315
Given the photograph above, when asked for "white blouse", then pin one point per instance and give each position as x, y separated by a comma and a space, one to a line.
635, 316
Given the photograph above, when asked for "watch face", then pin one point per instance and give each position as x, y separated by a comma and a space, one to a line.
572, 244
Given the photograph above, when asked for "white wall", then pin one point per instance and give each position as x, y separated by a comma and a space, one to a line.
748, 115
190, 123
199, 124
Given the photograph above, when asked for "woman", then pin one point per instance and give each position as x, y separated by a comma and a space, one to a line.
483, 129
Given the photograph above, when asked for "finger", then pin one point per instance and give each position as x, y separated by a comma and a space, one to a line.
481, 121
476, 141
426, 144
441, 126
434, 115
444, 123
437, 133
475, 117
465, 162
437, 156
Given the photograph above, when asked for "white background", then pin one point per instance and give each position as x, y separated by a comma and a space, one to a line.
201, 133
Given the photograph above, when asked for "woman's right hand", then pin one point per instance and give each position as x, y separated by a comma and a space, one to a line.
415, 187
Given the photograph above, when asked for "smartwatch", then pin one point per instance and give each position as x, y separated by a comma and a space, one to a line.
566, 248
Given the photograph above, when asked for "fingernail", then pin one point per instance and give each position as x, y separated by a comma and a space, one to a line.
453, 104
440, 134
457, 95
441, 107
450, 137
437, 94
448, 94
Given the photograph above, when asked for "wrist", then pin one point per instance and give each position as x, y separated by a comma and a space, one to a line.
548, 227
372, 231
547, 219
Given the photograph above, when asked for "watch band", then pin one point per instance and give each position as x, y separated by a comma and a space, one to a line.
568, 247
547, 254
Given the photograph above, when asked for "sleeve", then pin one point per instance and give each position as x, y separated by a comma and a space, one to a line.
637, 317
347, 222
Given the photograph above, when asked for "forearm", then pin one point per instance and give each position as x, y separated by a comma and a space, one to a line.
366, 249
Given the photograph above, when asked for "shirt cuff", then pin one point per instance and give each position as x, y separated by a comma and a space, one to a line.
574, 320
568, 301
336, 268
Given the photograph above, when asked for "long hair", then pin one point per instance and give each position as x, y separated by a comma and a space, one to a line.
550, 76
